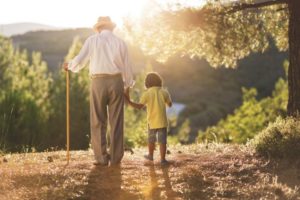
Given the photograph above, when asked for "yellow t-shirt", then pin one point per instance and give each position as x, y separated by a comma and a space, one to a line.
155, 99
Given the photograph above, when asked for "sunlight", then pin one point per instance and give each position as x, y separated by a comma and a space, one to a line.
63, 13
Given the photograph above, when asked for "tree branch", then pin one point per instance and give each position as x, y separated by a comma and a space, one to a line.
244, 6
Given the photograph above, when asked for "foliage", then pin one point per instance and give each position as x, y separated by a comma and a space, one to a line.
280, 139
208, 93
250, 118
79, 106
184, 132
32, 104
24, 99
218, 35
6, 58
135, 128
210, 31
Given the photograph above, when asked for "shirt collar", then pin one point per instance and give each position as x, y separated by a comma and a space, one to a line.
105, 32
154, 88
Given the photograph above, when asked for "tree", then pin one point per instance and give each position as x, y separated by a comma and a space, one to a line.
6, 58
224, 32
23, 99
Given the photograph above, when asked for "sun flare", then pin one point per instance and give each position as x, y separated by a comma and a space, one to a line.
69, 13
65, 13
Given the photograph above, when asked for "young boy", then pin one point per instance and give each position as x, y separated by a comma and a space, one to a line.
155, 99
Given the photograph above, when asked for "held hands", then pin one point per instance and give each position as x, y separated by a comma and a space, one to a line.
126, 92
126, 95
131, 103
65, 66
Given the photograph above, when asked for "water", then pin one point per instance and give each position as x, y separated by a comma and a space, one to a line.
175, 110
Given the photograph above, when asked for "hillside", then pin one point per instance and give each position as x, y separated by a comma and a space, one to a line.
53, 45
196, 172
209, 94
21, 28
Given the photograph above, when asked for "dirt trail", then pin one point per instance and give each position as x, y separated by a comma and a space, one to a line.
195, 172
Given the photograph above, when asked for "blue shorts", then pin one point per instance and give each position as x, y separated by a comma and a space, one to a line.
157, 135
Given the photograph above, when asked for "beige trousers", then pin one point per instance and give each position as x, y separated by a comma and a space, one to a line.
107, 102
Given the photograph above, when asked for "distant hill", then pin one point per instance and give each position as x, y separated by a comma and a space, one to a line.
21, 28
209, 94
53, 44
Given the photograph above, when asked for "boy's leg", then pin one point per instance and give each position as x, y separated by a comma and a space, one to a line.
151, 143
162, 140
151, 147
163, 149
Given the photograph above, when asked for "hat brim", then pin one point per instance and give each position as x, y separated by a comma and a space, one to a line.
98, 25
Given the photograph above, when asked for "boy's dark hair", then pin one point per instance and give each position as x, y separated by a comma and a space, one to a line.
153, 79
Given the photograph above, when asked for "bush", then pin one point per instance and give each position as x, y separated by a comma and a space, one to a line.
250, 118
280, 139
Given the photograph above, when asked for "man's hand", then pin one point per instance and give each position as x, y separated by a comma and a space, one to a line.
126, 92
126, 95
65, 66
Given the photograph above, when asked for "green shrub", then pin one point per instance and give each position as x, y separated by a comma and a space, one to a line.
280, 139
250, 118
184, 132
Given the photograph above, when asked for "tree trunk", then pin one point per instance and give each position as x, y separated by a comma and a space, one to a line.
293, 107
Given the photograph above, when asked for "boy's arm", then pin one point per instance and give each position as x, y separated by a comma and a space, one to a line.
168, 98
133, 104
136, 105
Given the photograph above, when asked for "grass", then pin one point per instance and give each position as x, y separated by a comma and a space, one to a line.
213, 171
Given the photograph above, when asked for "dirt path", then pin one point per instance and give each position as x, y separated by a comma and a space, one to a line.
195, 172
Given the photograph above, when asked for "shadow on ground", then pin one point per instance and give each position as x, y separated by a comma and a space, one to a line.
198, 172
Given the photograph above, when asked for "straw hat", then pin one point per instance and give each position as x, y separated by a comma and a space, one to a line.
104, 22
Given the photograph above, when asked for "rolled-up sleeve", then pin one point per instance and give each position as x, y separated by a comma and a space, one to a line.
127, 70
81, 59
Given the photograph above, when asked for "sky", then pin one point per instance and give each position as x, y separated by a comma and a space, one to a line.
73, 13
67, 13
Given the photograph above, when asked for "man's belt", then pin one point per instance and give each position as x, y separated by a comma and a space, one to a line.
104, 75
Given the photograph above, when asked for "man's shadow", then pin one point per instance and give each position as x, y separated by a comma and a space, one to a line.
105, 183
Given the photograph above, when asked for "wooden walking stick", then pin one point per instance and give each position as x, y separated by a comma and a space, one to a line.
68, 115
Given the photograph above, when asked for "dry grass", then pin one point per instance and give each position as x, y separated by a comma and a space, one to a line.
196, 172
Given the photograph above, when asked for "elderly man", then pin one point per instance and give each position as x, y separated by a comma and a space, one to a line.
110, 73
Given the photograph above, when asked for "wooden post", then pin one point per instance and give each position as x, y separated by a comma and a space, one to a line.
68, 115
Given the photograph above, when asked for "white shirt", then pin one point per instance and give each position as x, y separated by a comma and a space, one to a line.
107, 54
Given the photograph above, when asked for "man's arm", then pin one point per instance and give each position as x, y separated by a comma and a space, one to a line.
80, 60
127, 72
